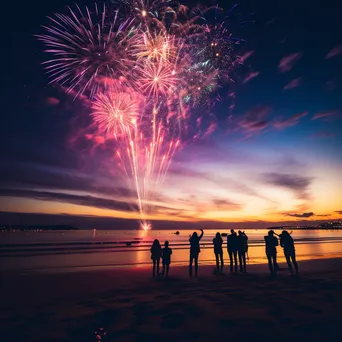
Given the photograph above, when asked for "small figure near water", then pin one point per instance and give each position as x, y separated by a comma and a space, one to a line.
271, 243
232, 247
217, 241
242, 243
166, 258
194, 251
287, 243
156, 252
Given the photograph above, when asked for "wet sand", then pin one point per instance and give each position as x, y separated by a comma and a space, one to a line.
130, 306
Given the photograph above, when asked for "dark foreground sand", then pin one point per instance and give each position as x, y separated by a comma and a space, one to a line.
130, 306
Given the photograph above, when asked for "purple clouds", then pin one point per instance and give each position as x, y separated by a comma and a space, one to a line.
291, 121
298, 184
250, 76
296, 82
289, 61
337, 50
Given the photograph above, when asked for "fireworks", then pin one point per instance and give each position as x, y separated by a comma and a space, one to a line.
115, 113
87, 46
143, 71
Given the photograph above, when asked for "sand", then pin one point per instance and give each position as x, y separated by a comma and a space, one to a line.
130, 306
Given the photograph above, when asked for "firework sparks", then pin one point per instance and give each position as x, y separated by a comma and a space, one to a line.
142, 73
87, 46
157, 79
115, 113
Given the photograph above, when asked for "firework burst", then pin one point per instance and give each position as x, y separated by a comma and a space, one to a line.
116, 113
143, 73
88, 46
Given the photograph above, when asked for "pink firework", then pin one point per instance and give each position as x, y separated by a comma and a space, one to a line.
116, 113
88, 46
157, 78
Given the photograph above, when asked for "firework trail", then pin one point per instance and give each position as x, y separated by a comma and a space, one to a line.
143, 66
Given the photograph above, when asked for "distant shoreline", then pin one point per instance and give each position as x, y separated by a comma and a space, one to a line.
10, 228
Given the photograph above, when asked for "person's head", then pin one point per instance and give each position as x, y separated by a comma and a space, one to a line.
271, 233
218, 235
240, 232
232, 231
285, 233
166, 243
156, 242
194, 235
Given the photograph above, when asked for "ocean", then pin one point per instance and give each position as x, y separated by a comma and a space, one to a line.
66, 250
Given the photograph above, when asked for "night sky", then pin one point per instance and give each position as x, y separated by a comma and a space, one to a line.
274, 156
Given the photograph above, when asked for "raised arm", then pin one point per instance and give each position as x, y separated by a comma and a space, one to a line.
202, 232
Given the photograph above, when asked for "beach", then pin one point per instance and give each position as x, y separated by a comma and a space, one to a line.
71, 305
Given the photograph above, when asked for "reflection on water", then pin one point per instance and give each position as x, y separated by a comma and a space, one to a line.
35, 250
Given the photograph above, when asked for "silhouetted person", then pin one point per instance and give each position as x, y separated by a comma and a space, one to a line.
194, 251
242, 249
155, 256
217, 241
232, 247
287, 243
271, 252
166, 258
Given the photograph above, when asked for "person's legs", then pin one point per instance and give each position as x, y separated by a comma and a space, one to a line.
190, 264
196, 265
217, 262
270, 265
240, 260
167, 270
244, 261
293, 257
235, 261
163, 273
287, 257
158, 262
275, 264
231, 260
221, 257
154, 268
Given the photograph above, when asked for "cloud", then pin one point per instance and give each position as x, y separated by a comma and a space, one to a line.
255, 120
338, 212
89, 201
323, 134
221, 182
324, 114
245, 56
296, 82
298, 184
52, 101
226, 205
289, 61
304, 215
291, 121
35, 176
250, 76
337, 50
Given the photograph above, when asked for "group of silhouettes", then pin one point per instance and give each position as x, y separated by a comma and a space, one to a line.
237, 247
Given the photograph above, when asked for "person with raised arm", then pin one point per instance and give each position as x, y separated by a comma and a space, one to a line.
194, 251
